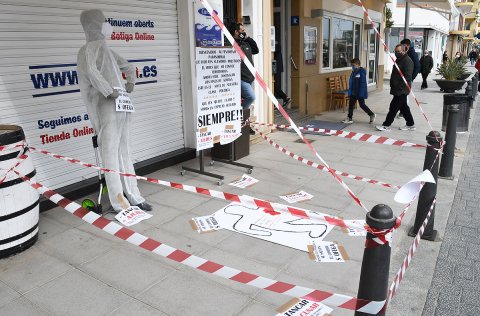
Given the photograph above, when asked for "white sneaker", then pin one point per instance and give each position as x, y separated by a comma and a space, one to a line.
383, 128
372, 118
348, 121
408, 128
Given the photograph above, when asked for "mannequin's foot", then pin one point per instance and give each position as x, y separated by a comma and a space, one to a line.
145, 206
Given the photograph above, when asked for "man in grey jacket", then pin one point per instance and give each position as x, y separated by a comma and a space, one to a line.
400, 91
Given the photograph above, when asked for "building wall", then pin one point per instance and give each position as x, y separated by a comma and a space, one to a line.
314, 76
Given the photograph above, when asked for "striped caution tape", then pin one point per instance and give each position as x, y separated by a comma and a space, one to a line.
13, 146
362, 137
182, 257
322, 168
411, 251
244, 199
274, 100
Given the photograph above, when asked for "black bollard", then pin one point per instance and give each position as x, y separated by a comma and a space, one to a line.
474, 86
446, 166
373, 285
429, 191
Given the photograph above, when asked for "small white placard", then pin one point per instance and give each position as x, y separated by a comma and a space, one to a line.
123, 103
131, 216
411, 190
325, 251
204, 140
356, 232
205, 224
297, 197
297, 307
244, 182
230, 134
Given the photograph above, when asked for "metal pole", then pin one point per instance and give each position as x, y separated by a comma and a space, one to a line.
446, 166
373, 285
429, 191
407, 19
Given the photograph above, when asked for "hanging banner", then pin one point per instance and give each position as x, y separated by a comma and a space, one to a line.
219, 113
207, 32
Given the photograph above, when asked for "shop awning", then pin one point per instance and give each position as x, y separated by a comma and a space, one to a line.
448, 6
460, 33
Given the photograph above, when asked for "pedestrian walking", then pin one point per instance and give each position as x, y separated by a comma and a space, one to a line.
416, 63
357, 91
400, 91
279, 94
445, 57
473, 57
426, 65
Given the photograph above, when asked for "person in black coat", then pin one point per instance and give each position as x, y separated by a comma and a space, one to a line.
426, 65
413, 56
400, 91
279, 94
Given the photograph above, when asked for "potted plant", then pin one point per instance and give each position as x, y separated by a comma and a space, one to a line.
454, 74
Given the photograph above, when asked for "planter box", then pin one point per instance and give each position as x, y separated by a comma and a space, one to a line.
450, 86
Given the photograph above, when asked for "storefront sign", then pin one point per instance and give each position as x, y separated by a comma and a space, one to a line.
218, 96
207, 32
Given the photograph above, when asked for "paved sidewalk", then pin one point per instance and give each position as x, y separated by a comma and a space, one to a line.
455, 288
76, 269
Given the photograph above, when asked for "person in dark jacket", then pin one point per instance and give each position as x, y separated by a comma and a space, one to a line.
357, 91
250, 48
473, 57
413, 56
279, 94
426, 65
400, 91
445, 57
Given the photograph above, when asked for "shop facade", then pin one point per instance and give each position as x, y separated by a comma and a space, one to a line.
318, 40
39, 83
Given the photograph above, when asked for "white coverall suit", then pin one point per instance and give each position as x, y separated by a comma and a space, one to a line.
99, 72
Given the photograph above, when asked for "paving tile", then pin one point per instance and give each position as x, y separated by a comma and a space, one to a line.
136, 308
76, 293
7, 294
254, 308
48, 227
181, 200
128, 273
189, 293
22, 307
74, 246
31, 269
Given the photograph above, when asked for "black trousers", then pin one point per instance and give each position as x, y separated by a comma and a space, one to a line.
361, 102
399, 103
424, 82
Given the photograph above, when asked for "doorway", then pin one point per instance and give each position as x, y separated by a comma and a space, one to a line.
281, 19
372, 57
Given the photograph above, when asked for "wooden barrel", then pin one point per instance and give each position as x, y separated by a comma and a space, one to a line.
19, 202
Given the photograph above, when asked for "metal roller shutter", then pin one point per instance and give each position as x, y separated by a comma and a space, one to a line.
39, 42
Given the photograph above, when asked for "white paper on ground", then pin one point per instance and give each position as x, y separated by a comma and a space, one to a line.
205, 224
325, 251
244, 182
297, 197
356, 232
409, 191
297, 307
280, 228
131, 216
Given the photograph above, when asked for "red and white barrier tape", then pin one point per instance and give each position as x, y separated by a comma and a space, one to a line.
272, 98
20, 158
322, 168
362, 137
13, 146
244, 199
114, 229
406, 262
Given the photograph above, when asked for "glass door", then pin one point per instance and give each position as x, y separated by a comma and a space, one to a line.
373, 55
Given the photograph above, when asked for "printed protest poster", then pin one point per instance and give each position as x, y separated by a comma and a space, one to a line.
325, 251
244, 182
219, 114
207, 32
131, 216
277, 227
297, 197
205, 224
297, 307
123, 103
353, 231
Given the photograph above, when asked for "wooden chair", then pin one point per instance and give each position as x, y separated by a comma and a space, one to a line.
340, 97
333, 86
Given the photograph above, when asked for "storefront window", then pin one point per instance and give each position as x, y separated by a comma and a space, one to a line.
326, 43
342, 42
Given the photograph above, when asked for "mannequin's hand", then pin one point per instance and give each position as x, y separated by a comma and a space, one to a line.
114, 94
129, 87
